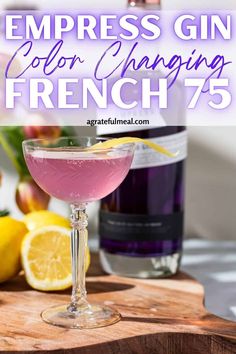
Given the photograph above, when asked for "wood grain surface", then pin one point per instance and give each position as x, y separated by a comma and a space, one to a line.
158, 317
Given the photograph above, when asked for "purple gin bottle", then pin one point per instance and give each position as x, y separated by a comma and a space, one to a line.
141, 223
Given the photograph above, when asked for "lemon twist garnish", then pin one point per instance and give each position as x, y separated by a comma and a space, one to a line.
108, 144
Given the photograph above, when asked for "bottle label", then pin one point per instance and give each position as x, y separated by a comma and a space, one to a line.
145, 157
123, 227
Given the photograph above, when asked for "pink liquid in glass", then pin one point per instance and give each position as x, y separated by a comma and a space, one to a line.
77, 177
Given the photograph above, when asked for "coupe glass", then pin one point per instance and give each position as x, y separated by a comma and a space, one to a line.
68, 169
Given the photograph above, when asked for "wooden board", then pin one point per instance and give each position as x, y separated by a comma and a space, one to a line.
158, 317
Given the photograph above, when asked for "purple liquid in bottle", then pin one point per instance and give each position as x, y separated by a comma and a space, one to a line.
143, 218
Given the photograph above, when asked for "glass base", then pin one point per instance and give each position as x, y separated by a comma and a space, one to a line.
93, 316
140, 267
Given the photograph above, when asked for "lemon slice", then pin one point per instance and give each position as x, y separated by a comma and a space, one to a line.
108, 144
46, 259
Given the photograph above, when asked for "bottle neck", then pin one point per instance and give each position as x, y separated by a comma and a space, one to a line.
145, 4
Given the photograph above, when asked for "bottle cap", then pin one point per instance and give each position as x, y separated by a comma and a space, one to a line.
20, 5
140, 2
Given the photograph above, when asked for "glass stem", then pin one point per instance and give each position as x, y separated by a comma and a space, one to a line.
79, 237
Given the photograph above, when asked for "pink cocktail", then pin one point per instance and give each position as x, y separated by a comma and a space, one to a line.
78, 176
72, 170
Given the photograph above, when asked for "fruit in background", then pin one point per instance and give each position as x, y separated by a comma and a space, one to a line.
43, 218
41, 129
30, 197
41, 132
46, 258
11, 141
12, 233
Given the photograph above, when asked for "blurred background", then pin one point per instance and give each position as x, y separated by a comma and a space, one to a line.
211, 167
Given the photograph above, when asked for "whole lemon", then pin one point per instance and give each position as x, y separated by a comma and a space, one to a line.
42, 218
11, 236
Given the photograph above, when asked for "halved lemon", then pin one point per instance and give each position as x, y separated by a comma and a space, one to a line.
46, 259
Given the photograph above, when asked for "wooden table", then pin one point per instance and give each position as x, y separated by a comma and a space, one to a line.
158, 317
